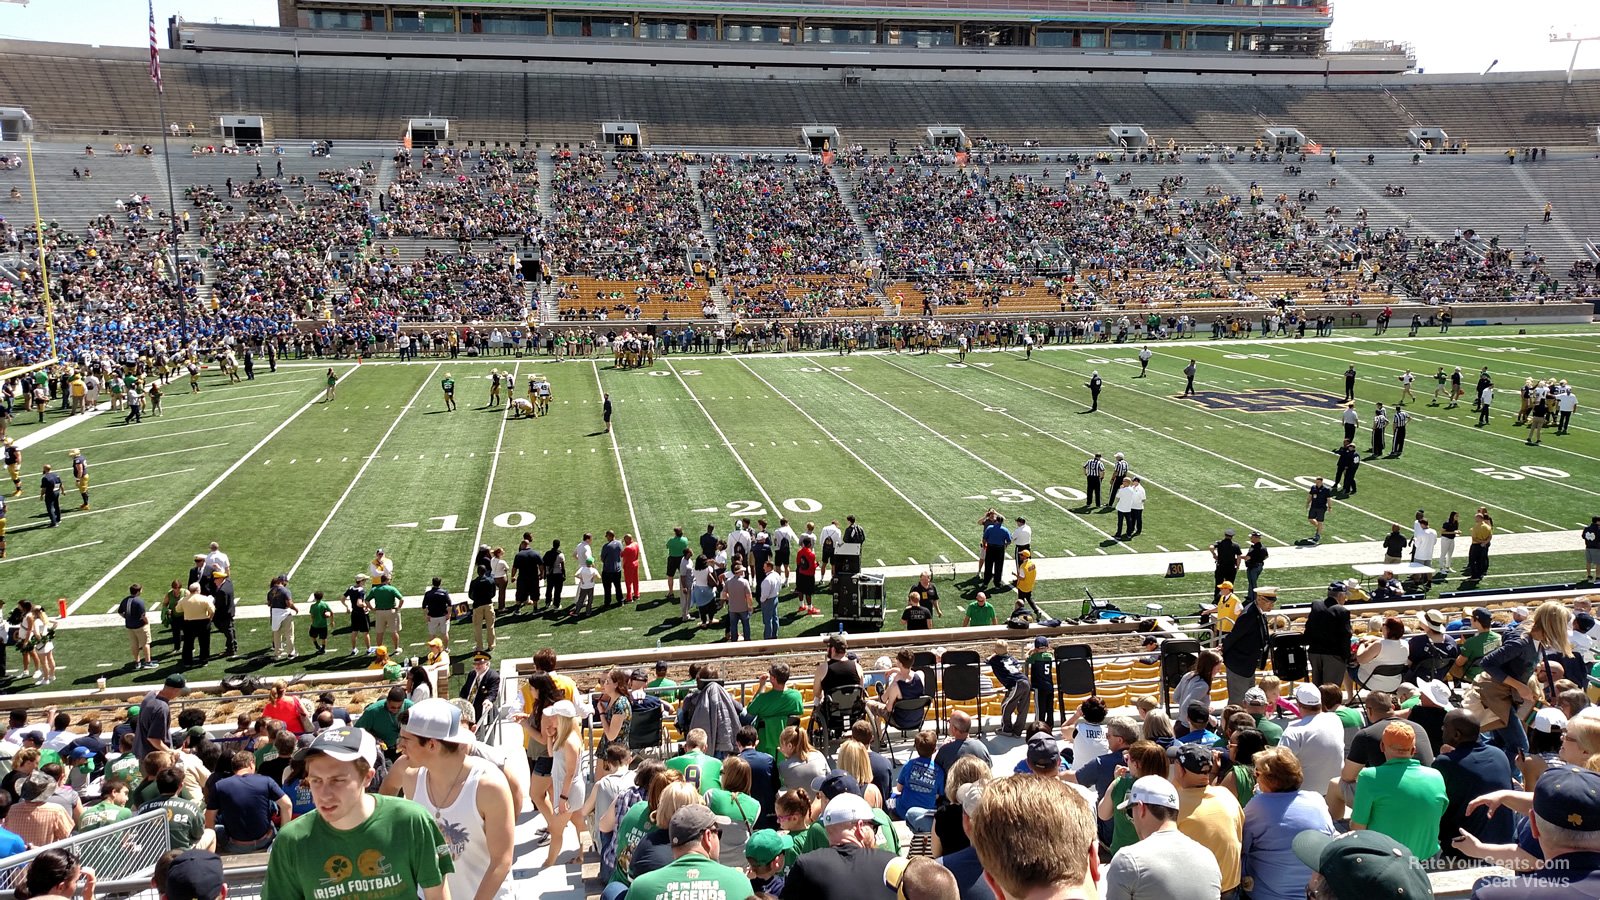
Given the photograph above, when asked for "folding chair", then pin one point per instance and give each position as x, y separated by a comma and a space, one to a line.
963, 680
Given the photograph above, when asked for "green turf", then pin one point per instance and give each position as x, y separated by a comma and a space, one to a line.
917, 446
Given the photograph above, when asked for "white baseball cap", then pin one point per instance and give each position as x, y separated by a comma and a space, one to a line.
438, 719
1151, 790
1307, 694
1549, 719
844, 809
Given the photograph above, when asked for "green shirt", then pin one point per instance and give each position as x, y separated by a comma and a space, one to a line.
738, 807
396, 852
772, 709
635, 824
1475, 648
125, 767
1270, 730
1350, 718
1403, 799
320, 611
700, 770
102, 814
384, 725
677, 545
666, 695
1122, 831
980, 614
692, 875
384, 596
186, 820
449, 385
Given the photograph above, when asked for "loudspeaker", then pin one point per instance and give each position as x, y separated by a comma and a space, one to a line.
846, 565
846, 599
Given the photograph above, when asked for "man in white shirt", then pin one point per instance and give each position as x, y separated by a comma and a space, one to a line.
832, 537
1137, 513
1124, 507
1485, 397
1165, 864
1317, 739
1566, 403
1022, 538
585, 549
771, 585
739, 540
1423, 539
216, 561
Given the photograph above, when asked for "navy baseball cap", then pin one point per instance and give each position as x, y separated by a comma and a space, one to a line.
1569, 797
837, 782
1193, 757
194, 875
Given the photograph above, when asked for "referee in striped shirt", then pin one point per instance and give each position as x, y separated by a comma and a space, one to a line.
1119, 471
1094, 469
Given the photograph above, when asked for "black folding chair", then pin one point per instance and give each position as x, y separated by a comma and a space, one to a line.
1177, 658
963, 679
918, 705
839, 709
1074, 673
1290, 661
645, 732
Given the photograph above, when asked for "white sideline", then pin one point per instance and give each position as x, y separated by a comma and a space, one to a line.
187, 507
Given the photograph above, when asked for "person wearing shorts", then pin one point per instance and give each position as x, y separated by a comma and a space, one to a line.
1317, 508
385, 601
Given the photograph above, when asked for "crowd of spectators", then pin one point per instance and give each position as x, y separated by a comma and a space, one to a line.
778, 216
632, 216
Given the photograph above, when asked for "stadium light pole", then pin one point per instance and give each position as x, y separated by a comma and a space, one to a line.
1577, 44
38, 243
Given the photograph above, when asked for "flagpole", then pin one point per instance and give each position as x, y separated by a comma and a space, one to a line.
172, 202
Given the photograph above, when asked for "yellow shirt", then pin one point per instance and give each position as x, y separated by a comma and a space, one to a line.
1027, 573
1481, 533
195, 608
1212, 817
1228, 609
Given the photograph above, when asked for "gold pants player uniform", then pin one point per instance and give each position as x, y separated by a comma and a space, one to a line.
80, 474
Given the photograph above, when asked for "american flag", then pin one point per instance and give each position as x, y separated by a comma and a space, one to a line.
155, 51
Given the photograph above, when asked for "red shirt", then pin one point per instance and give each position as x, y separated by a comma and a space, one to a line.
630, 556
805, 562
286, 711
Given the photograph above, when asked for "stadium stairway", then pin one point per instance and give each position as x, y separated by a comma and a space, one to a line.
708, 228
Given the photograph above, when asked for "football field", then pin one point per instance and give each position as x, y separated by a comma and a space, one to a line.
916, 446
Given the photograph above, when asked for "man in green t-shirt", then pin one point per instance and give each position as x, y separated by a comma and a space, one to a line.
113, 809
677, 549
382, 717
186, 819
1475, 648
979, 612
694, 870
386, 600
355, 844
321, 612
1255, 703
774, 705
662, 681
1402, 798
699, 769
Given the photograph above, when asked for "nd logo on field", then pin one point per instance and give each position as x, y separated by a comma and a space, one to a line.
1264, 400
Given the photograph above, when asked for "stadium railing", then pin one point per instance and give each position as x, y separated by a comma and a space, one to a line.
124, 851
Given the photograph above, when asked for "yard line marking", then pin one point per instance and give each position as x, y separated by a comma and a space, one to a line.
111, 462
359, 472
130, 480
622, 474
1162, 549
494, 466
913, 560
187, 507
12, 559
1063, 441
151, 437
943, 558
1368, 537
80, 515
863, 463
1192, 547
725, 442
188, 403
996, 469
220, 412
